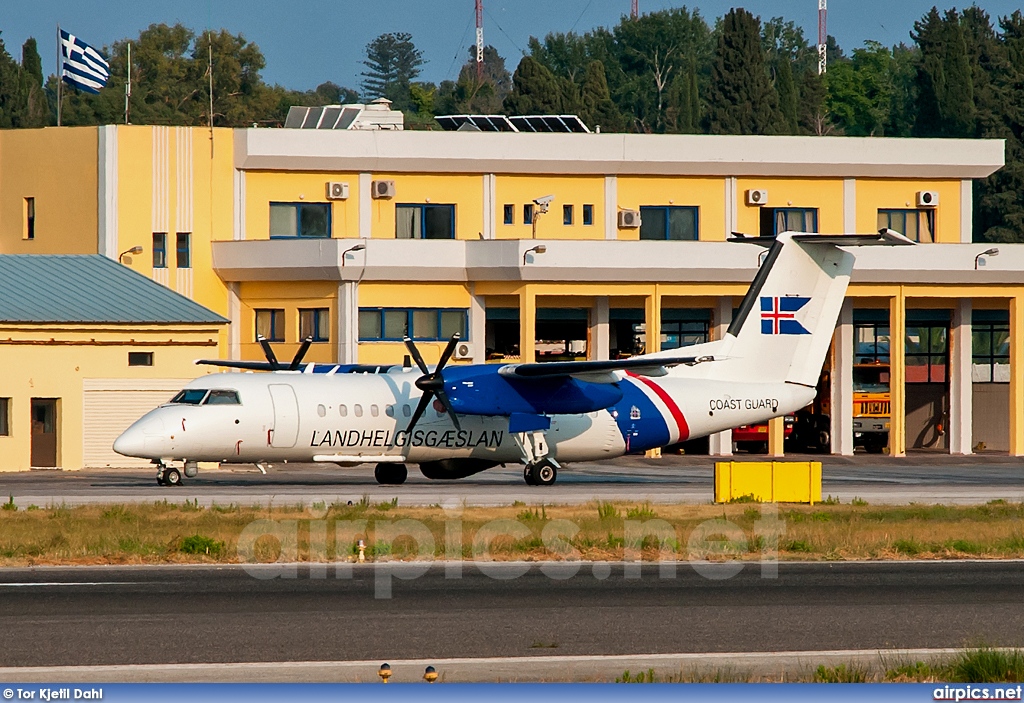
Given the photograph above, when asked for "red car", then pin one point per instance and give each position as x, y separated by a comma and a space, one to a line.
754, 438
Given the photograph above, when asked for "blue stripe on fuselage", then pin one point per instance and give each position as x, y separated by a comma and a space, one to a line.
647, 431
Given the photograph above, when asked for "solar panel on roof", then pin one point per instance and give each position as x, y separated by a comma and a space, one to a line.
330, 118
348, 116
295, 117
312, 118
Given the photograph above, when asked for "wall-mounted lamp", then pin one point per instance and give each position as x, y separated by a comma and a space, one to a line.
134, 250
988, 252
344, 254
539, 249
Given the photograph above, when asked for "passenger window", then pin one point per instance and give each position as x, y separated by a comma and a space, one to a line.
389, 410
223, 398
190, 396
343, 410
374, 411
357, 410
407, 411
321, 410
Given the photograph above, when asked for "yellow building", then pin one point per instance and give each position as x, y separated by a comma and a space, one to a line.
87, 347
545, 244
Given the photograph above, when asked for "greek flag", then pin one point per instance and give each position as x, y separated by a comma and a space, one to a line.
83, 67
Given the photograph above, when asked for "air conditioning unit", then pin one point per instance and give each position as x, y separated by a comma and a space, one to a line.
382, 190
757, 197
337, 191
927, 198
463, 351
629, 219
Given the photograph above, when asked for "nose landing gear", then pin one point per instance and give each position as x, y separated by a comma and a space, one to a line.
168, 476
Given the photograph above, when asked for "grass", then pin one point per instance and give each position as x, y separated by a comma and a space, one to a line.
163, 532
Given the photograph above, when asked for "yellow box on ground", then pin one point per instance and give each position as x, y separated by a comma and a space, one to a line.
768, 481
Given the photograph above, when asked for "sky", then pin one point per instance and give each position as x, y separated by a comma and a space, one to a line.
307, 42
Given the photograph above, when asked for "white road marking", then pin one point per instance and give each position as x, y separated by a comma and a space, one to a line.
37, 584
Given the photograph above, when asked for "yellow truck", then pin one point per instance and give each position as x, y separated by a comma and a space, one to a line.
871, 406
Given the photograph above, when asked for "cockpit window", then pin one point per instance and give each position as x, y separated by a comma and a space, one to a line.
190, 396
223, 398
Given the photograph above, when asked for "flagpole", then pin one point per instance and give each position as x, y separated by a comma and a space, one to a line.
60, 76
128, 87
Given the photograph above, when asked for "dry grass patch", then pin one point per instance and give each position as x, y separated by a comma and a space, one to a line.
165, 532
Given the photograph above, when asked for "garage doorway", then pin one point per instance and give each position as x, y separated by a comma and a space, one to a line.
44, 432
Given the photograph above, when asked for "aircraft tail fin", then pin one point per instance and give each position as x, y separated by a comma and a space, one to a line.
783, 328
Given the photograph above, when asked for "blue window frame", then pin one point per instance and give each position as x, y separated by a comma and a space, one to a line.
788, 219
315, 324
427, 324
567, 214
415, 221
588, 215
918, 225
183, 250
270, 324
300, 220
528, 214
668, 222
509, 211
159, 250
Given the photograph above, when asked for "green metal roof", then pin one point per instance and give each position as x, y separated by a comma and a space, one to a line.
88, 288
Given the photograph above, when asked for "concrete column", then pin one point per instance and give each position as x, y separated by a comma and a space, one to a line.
850, 204
966, 211
841, 415
961, 385
238, 185
898, 374
365, 205
720, 443
776, 436
652, 320
489, 230
1017, 376
600, 330
348, 322
731, 207
477, 328
235, 326
527, 325
611, 207
107, 188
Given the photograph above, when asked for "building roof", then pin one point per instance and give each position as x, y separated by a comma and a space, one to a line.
88, 289
614, 154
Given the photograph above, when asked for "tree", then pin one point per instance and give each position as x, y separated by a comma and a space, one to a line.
393, 61
598, 110
35, 110
535, 90
786, 89
473, 95
812, 112
741, 99
946, 89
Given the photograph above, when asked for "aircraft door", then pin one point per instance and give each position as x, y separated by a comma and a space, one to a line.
286, 416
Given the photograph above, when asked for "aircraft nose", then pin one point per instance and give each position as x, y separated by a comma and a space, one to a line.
131, 442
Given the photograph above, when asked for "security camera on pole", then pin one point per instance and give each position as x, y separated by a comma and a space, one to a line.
543, 205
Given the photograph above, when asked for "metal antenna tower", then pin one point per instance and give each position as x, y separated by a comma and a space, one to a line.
635, 9
822, 35
479, 40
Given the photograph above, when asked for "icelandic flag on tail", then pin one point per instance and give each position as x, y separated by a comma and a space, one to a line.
82, 66
778, 315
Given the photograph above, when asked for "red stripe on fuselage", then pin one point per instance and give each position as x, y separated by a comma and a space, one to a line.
677, 414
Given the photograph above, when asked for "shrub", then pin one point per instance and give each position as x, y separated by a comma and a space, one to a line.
200, 544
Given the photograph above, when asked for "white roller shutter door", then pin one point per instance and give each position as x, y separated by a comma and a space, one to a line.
110, 405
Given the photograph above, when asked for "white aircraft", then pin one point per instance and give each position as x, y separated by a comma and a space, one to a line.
454, 421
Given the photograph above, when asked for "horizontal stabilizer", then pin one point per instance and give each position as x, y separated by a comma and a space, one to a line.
637, 364
884, 237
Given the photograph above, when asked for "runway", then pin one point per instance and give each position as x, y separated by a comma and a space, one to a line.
920, 478
181, 615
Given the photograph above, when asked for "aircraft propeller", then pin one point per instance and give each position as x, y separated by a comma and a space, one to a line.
432, 383
276, 365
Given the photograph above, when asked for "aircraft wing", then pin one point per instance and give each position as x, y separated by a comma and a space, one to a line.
642, 365
247, 365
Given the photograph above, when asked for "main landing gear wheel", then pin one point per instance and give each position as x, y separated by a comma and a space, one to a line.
543, 473
169, 477
390, 474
